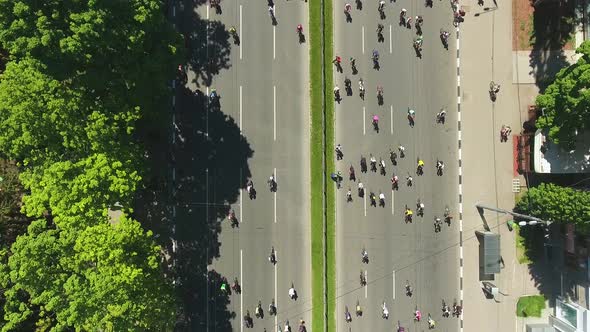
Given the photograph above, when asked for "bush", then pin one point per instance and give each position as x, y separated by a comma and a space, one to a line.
530, 306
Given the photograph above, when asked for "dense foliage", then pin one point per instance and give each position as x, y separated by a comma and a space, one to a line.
566, 102
106, 277
554, 203
80, 76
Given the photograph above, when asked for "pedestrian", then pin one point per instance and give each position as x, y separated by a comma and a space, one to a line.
339, 153
338, 63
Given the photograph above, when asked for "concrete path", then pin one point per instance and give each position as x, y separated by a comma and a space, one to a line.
486, 55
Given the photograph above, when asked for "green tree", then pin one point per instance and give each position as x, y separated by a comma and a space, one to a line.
566, 102
124, 50
106, 277
81, 192
12, 222
554, 203
42, 119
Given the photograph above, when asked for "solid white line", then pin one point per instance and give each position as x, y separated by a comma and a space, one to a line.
274, 36
208, 18
241, 32
241, 293
394, 284
365, 201
363, 38
240, 108
174, 125
390, 44
275, 213
392, 202
367, 284
364, 115
276, 286
391, 117
241, 215
274, 111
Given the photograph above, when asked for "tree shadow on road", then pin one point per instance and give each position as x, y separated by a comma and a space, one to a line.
554, 24
210, 161
210, 157
208, 44
212, 167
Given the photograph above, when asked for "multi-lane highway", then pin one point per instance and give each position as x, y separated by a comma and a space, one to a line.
398, 252
263, 88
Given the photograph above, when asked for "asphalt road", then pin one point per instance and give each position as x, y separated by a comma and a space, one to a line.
264, 92
397, 251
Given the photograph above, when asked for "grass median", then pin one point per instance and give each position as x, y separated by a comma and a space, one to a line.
322, 164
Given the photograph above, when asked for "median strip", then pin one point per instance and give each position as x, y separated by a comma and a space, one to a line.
322, 164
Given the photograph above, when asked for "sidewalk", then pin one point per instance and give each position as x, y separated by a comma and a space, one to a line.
486, 55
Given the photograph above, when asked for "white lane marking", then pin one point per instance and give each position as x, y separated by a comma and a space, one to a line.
276, 286
365, 201
393, 284
175, 127
459, 137
241, 215
364, 115
241, 32
390, 44
240, 108
207, 116
274, 38
392, 202
275, 213
391, 117
173, 100
363, 38
242, 292
173, 85
366, 284
173, 11
207, 12
274, 111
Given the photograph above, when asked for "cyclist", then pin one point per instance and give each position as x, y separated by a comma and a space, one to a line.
361, 88
379, 29
375, 55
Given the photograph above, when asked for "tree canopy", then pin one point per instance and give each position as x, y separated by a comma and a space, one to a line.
81, 75
566, 102
555, 203
108, 47
45, 120
86, 189
106, 277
